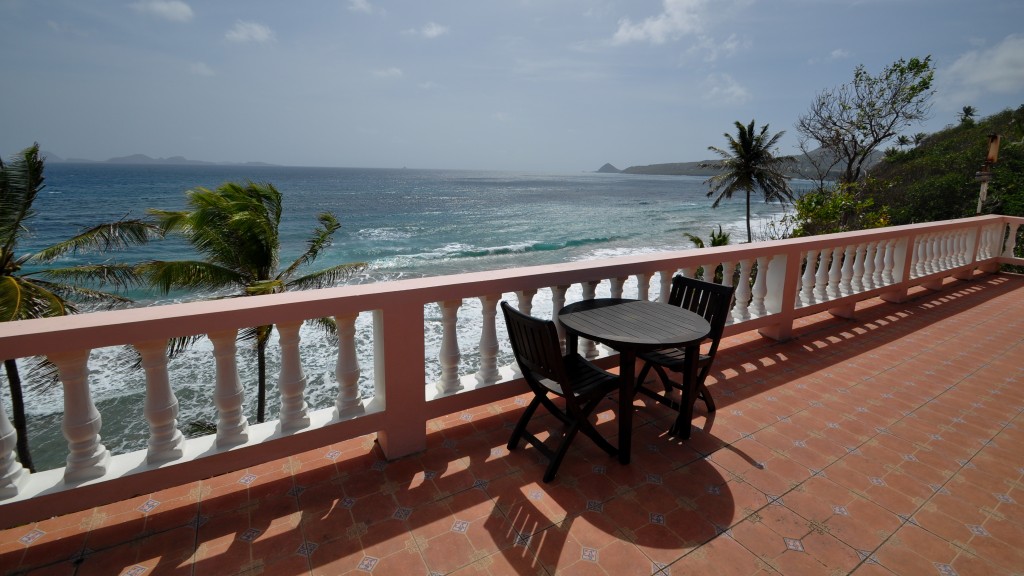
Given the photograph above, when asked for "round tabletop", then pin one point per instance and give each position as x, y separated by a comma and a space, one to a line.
634, 324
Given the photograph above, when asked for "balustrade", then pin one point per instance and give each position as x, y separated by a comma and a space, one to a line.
886, 260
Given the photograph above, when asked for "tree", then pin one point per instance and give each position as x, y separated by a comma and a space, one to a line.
967, 114
903, 141
749, 163
852, 121
236, 230
30, 290
718, 238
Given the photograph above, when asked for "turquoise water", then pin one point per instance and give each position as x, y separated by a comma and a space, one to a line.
402, 223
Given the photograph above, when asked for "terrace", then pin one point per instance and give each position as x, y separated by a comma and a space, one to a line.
867, 422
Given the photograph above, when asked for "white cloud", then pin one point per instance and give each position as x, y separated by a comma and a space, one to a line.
360, 6
201, 69
250, 32
388, 72
679, 18
715, 49
173, 10
433, 30
725, 89
430, 31
839, 54
998, 69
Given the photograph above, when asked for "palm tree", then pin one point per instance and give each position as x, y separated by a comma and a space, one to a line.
28, 290
967, 114
235, 229
718, 238
903, 141
748, 163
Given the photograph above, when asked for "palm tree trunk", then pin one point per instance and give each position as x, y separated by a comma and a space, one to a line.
750, 237
261, 362
18, 408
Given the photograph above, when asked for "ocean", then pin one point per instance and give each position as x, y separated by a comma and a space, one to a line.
401, 223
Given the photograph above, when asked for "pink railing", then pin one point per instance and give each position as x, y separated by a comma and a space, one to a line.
777, 282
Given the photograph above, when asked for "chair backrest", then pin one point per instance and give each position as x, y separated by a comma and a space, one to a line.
712, 301
536, 346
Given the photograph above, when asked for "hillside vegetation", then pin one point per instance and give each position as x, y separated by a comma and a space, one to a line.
935, 180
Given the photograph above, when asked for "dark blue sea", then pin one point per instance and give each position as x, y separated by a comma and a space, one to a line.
401, 223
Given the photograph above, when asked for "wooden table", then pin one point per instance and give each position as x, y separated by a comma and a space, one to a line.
629, 326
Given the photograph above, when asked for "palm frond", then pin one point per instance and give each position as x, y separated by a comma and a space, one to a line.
20, 181
81, 294
24, 299
189, 275
321, 238
116, 274
327, 325
327, 277
103, 237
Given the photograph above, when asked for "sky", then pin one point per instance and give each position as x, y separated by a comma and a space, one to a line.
558, 86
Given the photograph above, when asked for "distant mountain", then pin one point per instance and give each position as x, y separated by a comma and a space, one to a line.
804, 168
608, 169
143, 160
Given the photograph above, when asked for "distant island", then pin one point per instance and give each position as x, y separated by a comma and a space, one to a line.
142, 159
802, 169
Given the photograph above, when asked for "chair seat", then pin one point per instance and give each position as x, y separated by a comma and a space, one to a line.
671, 358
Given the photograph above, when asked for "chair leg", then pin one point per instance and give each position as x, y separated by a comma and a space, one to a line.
517, 432
705, 395
559, 453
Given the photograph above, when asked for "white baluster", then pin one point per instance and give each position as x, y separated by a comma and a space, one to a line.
165, 440
88, 458
643, 286
685, 271
615, 286
665, 285
806, 294
728, 271
488, 373
588, 348
524, 298
291, 381
347, 370
889, 262
760, 288
557, 303
13, 475
930, 254
857, 280
961, 248
741, 312
821, 276
232, 427
947, 248
846, 280
920, 254
450, 354
835, 272
876, 273
869, 265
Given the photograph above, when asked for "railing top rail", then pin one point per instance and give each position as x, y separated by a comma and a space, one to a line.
110, 328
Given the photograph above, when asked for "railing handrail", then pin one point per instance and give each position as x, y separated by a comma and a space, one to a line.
24, 338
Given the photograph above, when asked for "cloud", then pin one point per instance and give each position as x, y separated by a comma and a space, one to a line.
250, 32
679, 18
724, 88
388, 73
360, 6
997, 69
173, 10
716, 49
430, 31
201, 69
839, 54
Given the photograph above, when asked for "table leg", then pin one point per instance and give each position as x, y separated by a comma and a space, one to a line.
627, 369
681, 429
